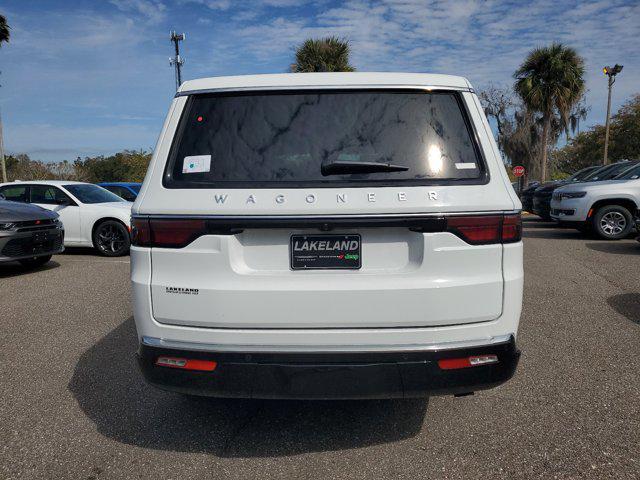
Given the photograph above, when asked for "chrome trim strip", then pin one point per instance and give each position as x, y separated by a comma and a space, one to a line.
211, 347
325, 217
285, 88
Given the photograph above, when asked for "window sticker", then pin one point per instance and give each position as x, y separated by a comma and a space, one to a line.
196, 164
466, 166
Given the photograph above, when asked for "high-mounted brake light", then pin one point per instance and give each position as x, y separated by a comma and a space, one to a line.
466, 362
187, 364
486, 229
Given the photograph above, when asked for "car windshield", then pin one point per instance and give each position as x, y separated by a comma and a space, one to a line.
323, 138
135, 188
631, 174
87, 193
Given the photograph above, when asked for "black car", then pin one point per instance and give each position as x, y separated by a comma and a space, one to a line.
28, 233
541, 204
526, 196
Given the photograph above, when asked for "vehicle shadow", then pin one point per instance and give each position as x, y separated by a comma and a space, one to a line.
552, 231
81, 251
14, 269
111, 391
627, 304
537, 222
618, 248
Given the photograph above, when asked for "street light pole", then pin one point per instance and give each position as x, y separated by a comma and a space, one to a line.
611, 73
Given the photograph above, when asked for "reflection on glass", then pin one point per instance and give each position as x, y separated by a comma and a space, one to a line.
435, 159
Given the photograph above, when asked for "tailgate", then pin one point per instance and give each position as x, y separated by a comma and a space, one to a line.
405, 278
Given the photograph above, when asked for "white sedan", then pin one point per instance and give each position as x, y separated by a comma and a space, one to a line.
92, 216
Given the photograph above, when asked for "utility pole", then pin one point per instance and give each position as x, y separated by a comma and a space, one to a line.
611, 73
2, 165
177, 60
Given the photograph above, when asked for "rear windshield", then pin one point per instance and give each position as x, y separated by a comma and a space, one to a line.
323, 138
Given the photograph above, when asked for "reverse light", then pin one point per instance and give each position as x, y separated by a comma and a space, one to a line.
187, 364
466, 362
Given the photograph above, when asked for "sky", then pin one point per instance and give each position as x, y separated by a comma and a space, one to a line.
84, 78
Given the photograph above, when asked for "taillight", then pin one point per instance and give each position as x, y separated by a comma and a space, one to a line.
512, 228
166, 233
486, 229
176, 233
140, 232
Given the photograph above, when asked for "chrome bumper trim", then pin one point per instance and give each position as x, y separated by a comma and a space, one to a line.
211, 347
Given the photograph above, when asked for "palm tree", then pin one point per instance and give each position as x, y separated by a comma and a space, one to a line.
329, 54
4, 30
550, 81
4, 38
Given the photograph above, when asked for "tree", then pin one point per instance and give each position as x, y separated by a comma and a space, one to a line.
4, 38
585, 149
550, 82
4, 30
329, 54
128, 165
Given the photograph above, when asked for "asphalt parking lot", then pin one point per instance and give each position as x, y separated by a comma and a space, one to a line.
73, 404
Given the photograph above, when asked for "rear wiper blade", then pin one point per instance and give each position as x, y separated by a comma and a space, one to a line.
347, 167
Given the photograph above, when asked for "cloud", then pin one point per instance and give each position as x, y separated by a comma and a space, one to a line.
102, 67
482, 40
153, 11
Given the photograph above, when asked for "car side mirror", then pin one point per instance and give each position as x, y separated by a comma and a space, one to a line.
62, 201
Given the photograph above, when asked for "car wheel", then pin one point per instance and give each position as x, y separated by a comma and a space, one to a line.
35, 261
111, 239
612, 222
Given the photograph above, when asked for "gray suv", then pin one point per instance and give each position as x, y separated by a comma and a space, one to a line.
28, 233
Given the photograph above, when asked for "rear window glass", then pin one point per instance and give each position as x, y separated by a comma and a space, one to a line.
323, 138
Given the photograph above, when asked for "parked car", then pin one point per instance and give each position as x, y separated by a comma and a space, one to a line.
125, 190
327, 235
541, 195
28, 234
526, 196
609, 208
92, 216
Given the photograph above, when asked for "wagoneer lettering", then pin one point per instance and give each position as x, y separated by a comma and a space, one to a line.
337, 247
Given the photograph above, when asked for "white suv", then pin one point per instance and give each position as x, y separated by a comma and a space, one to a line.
329, 235
608, 208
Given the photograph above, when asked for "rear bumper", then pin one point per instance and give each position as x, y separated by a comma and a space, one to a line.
330, 375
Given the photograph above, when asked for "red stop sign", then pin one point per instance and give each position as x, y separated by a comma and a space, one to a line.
518, 171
